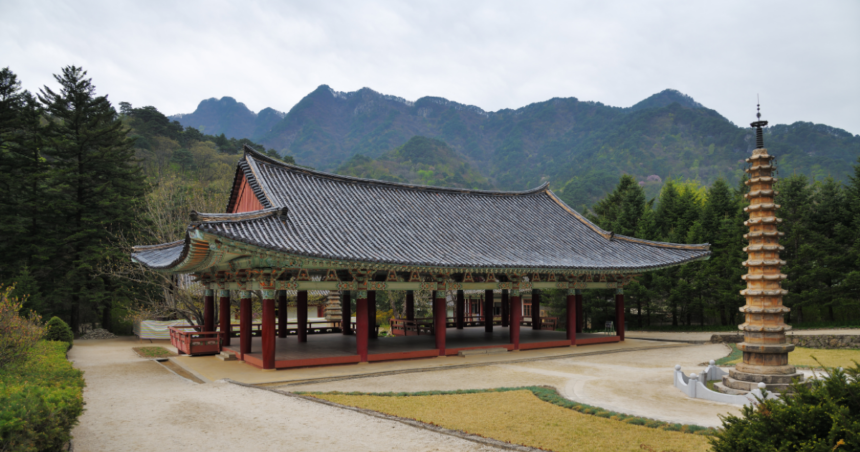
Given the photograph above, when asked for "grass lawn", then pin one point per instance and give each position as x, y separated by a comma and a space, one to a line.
520, 417
153, 352
804, 357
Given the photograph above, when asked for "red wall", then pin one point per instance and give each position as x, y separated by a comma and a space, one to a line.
246, 201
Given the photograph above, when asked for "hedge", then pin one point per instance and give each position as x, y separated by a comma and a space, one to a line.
40, 400
58, 330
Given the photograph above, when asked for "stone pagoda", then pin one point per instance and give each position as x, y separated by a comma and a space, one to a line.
765, 348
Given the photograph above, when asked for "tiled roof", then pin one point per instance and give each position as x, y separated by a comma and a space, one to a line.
323, 215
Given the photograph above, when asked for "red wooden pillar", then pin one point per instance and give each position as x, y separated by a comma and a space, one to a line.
619, 313
506, 308
536, 309
346, 312
460, 311
571, 316
302, 315
224, 316
439, 319
209, 310
244, 321
371, 313
410, 305
267, 335
516, 318
488, 311
362, 329
282, 313
580, 314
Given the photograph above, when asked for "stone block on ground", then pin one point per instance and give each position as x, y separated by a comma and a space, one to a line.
227, 356
727, 338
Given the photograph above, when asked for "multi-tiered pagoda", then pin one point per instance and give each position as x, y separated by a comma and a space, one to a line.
765, 348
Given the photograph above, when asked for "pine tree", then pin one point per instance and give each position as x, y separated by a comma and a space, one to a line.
827, 245
11, 224
632, 209
608, 209
795, 200
93, 161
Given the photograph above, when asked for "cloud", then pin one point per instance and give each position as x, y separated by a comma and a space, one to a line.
802, 58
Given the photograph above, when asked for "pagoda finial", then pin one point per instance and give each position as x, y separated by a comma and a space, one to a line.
758, 124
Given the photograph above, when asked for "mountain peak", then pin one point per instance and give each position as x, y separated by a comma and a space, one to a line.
667, 97
230, 117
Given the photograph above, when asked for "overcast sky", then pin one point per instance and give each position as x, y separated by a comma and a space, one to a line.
802, 57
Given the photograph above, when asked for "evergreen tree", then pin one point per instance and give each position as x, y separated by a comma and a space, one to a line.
826, 244
667, 209
631, 210
94, 162
608, 209
794, 196
11, 224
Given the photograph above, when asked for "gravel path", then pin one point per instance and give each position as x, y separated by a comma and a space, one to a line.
134, 404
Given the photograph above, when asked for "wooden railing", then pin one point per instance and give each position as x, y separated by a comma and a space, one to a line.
189, 341
422, 326
417, 327
318, 327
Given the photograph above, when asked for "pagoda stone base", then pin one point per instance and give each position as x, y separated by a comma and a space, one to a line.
737, 382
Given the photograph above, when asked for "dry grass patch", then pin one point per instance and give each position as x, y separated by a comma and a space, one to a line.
153, 352
519, 417
806, 357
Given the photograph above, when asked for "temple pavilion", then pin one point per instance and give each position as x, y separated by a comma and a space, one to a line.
288, 228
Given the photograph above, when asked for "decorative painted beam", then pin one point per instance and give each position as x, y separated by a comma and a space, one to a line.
384, 285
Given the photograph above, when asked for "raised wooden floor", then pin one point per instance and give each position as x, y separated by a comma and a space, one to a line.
328, 349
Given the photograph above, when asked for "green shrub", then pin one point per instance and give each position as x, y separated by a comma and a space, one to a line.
40, 400
58, 330
18, 334
824, 416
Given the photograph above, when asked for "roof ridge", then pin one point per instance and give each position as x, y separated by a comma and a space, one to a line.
256, 155
159, 246
201, 217
612, 236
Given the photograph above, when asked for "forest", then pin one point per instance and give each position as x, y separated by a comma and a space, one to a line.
82, 180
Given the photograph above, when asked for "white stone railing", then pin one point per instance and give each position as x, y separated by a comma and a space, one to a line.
695, 386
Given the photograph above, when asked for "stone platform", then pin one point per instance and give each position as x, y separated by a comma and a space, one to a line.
740, 383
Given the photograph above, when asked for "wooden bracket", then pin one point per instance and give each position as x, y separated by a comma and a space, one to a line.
392, 276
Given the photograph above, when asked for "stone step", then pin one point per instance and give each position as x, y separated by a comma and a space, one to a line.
227, 356
766, 379
482, 351
747, 386
727, 390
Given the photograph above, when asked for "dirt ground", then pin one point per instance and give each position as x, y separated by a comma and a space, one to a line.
135, 404
637, 383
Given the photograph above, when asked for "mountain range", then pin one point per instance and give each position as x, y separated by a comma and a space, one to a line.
580, 147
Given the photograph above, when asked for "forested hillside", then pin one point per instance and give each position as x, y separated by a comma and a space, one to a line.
581, 148
421, 160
